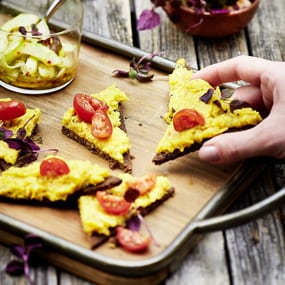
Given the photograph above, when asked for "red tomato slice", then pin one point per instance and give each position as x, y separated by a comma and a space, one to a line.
85, 106
112, 204
101, 126
132, 240
53, 167
186, 119
11, 109
143, 184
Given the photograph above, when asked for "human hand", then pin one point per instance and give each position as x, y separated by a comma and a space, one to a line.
265, 92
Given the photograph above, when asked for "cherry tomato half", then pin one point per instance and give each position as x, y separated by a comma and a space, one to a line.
85, 106
53, 167
101, 126
112, 204
186, 119
11, 109
143, 184
132, 240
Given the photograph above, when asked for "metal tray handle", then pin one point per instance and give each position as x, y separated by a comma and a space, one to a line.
242, 216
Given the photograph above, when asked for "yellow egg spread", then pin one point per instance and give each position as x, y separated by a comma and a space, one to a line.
118, 143
29, 120
186, 93
95, 219
27, 182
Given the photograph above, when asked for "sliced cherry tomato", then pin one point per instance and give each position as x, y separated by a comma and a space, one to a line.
11, 109
132, 240
143, 184
85, 106
101, 126
53, 167
112, 204
186, 119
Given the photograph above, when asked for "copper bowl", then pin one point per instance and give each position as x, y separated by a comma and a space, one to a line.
211, 25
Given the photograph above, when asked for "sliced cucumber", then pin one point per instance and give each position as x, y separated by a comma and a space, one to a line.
22, 20
41, 52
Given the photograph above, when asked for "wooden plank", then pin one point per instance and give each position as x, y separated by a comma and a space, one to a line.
251, 263
110, 18
166, 38
251, 243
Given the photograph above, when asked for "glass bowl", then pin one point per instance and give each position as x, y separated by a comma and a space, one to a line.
37, 57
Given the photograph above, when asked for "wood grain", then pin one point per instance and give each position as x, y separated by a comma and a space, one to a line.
229, 257
195, 182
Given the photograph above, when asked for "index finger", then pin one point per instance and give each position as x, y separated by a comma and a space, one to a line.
247, 68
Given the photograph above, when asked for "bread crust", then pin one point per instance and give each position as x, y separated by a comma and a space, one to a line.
125, 166
71, 201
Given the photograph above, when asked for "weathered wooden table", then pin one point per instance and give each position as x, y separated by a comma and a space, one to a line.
248, 254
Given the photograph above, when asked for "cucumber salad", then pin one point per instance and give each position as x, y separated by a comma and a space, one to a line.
33, 57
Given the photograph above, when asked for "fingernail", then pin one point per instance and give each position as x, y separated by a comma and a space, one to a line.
209, 153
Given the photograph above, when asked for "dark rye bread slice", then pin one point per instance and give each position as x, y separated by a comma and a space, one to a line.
100, 225
37, 184
96, 240
126, 166
212, 114
71, 201
163, 157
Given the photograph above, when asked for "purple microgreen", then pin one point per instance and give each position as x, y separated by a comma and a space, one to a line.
139, 69
227, 93
133, 74
206, 97
15, 268
32, 241
238, 104
21, 132
131, 195
143, 222
134, 223
194, 25
5, 133
121, 73
148, 19
145, 78
21, 265
28, 149
219, 11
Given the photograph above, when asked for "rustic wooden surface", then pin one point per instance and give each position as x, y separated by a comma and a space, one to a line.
249, 254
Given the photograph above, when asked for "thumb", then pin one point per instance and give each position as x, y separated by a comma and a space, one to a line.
236, 146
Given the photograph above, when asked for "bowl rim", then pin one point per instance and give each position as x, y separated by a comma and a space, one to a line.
253, 5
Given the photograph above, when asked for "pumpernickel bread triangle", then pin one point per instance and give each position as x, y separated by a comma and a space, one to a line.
54, 181
197, 112
116, 148
103, 213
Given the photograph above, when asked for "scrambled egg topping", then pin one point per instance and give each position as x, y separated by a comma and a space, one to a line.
95, 219
186, 93
118, 143
27, 182
30, 120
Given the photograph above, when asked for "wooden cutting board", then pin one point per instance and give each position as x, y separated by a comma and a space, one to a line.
196, 182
